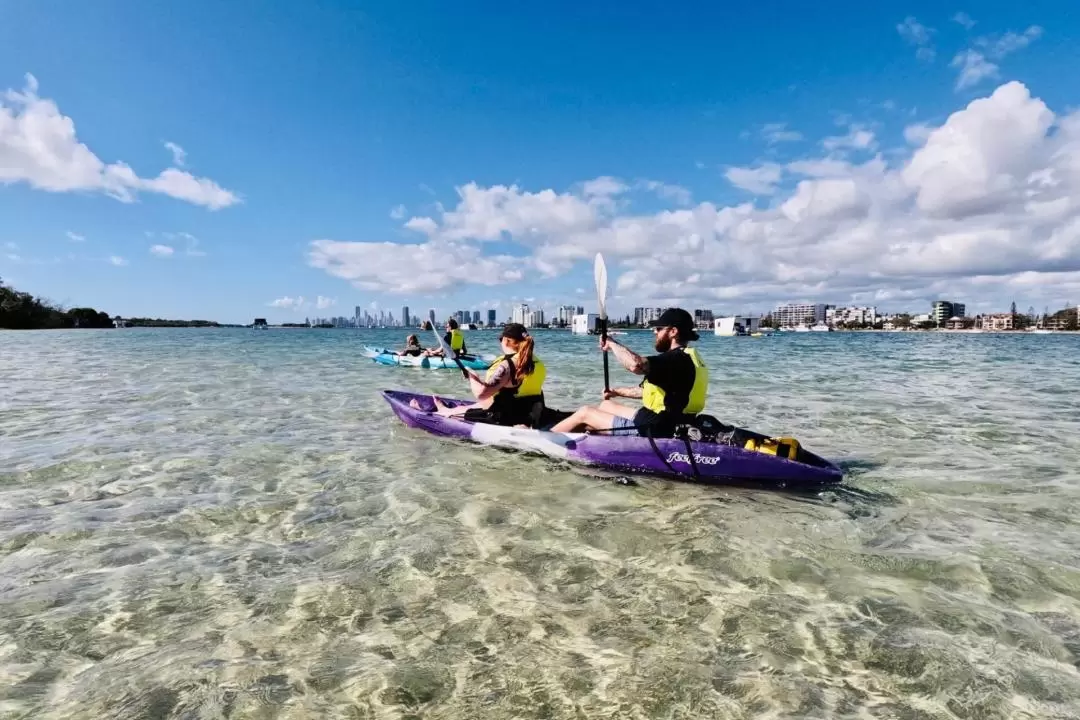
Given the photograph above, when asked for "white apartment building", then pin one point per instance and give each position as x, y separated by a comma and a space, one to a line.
998, 321
534, 318
844, 315
645, 315
798, 314
565, 314
520, 314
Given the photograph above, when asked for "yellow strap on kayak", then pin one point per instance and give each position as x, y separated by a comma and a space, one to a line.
785, 447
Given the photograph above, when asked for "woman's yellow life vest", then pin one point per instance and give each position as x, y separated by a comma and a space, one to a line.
457, 340
531, 385
652, 396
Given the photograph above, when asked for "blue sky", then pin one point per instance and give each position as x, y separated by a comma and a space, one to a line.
447, 155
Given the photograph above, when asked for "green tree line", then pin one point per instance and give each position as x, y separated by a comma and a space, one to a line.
23, 311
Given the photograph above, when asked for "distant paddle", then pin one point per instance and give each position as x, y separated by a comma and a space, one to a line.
600, 275
442, 343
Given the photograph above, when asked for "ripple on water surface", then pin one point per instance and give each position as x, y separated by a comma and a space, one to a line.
208, 524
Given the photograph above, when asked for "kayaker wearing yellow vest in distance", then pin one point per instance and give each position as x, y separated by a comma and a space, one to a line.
676, 383
454, 339
512, 390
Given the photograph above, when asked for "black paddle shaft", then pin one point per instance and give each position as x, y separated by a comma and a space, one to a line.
603, 338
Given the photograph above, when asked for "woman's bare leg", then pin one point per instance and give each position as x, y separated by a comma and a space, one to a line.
446, 411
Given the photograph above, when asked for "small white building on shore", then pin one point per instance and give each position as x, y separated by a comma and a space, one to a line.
736, 325
586, 324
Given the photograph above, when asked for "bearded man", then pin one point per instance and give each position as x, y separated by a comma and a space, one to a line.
672, 392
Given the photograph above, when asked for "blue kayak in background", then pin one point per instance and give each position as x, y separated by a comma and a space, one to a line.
387, 357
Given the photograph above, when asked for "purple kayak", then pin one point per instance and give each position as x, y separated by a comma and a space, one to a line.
712, 463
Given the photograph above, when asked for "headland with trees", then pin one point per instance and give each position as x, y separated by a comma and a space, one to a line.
23, 311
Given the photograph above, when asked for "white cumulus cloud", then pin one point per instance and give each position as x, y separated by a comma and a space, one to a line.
676, 193
981, 157
974, 68
1010, 42
178, 153
117, 260
604, 186
429, 267
38, 146
982, 208
322, 303
288, 303
761, 180
964, 19
75, 237
976, 65
775, 133
162, 251
858, 138
915, 33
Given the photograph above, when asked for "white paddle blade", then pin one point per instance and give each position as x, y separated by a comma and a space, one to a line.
600, 275
438, 336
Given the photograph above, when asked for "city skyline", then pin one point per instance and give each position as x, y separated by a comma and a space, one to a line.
906, 157
941, 312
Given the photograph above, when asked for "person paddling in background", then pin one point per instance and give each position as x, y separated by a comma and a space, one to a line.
512, 391
675, 385
412, 347
454, 339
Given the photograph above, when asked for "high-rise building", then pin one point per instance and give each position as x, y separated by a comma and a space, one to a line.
534, 318
520, 313
645, 315
491, 317
476, 317
405, 316
851, 315
564, 315
794, 314
942, 310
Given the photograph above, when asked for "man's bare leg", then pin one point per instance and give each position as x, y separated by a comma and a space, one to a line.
587, 418
614, 408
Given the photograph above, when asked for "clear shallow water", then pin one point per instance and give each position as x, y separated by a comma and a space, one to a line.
229, 523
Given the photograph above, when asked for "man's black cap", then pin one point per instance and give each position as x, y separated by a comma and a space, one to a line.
677, 318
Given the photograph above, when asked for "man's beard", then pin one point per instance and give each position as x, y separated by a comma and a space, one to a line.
663, 344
